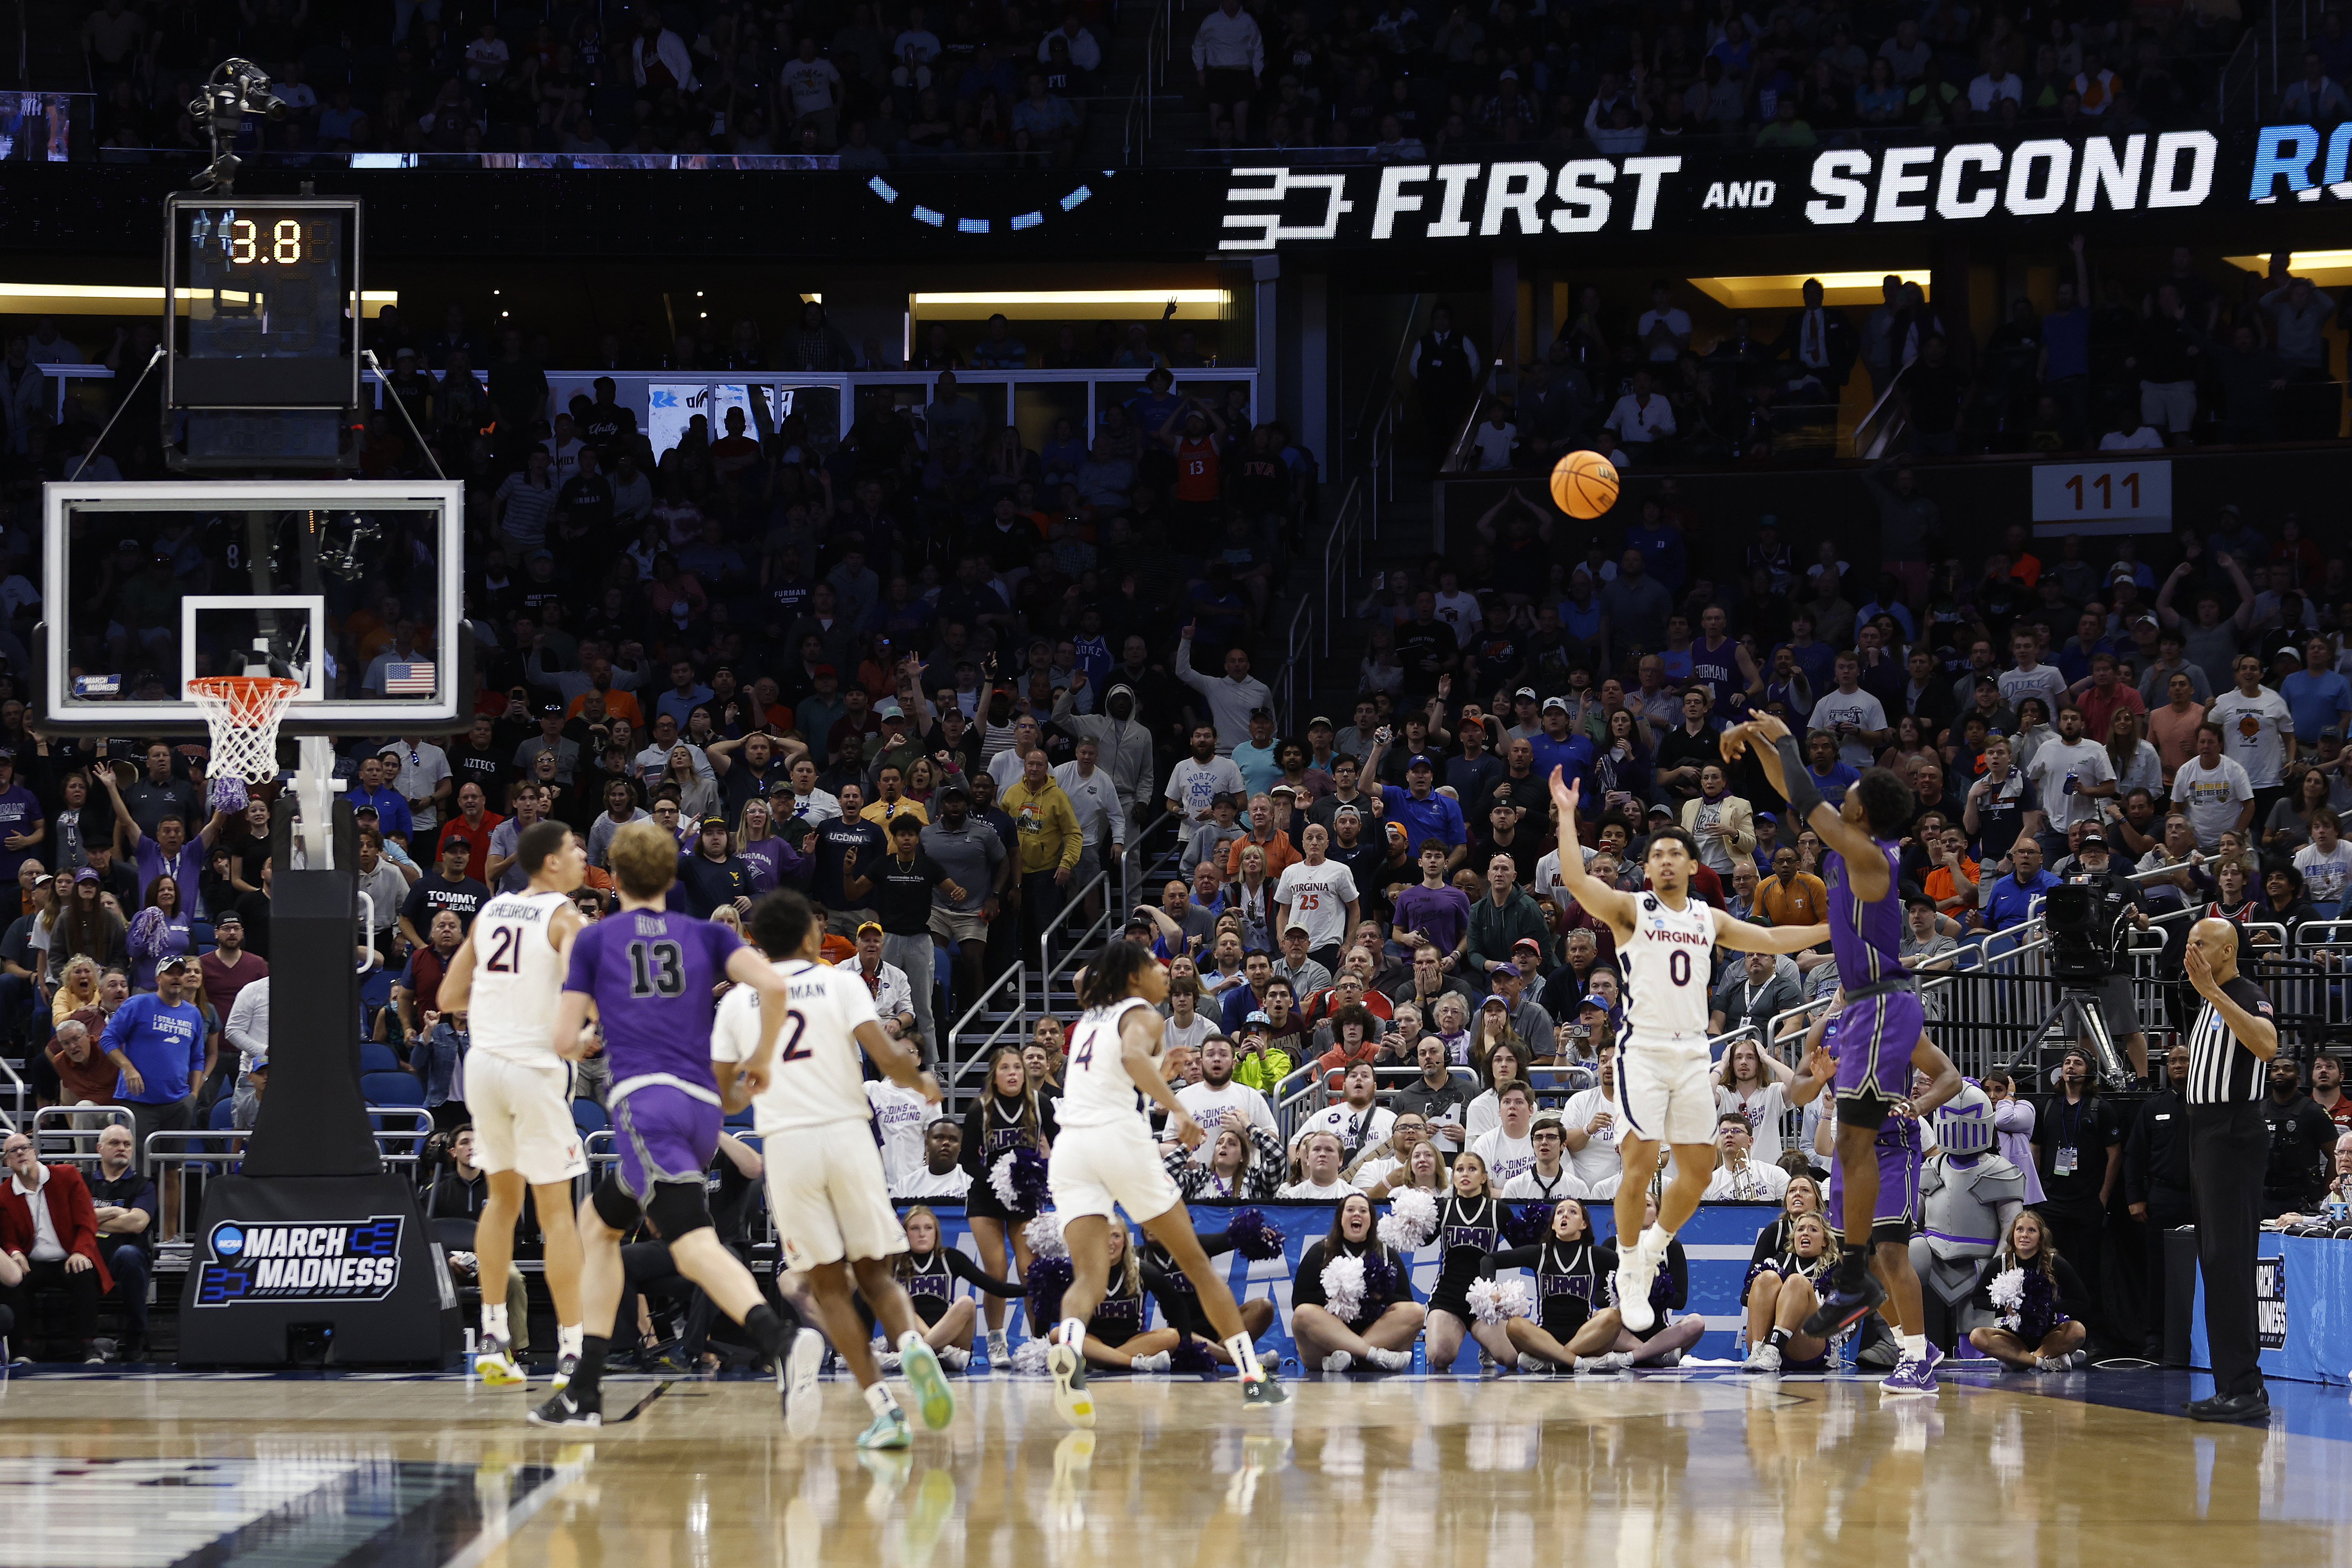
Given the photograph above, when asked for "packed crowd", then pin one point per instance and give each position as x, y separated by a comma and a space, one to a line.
1415, 85
2124, 363
867, 84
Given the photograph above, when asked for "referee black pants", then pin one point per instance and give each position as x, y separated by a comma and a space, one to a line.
2229, 1150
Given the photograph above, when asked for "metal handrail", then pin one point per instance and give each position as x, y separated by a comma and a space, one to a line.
1016, 1020
1050, 971
1479, 393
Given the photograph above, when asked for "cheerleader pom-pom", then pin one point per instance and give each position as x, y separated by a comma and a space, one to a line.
2008, 1289
1029, 1358
1380, 1275
1492, 1301
1192, 1358
1043, 1235
1343, 1289
229, 793
1019, 1178
1254, 1236
1527, 1224
1411, 1221
1046, 1279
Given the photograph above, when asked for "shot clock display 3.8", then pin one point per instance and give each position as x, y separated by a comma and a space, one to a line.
264, 283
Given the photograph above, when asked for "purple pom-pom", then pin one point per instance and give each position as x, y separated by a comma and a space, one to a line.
1046, 1279
228, 793
1380, 1275
1527, 1224
1031, 1194
1191, 1356
1255, 1237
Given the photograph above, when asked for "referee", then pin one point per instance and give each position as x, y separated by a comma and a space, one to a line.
2229, 1152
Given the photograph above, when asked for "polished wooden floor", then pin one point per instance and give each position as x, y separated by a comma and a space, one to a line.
1696, 1468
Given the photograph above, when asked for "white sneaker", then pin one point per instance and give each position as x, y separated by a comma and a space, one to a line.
1611, 1363
1763, 1356
1157, 1360
1634, 1273
1392, 1361
802, 1362
1000, 1354
887, 1361
1337, 1361
955, 1358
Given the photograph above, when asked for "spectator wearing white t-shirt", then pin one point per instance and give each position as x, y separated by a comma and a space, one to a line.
815, 89
1664, 330
2072, 774
1739, 1176
1320, 894
1319, 1157
1855, 717
1640, 416
2214, 790
1491, 446
2325, 863
2258, 729
1747, 1084
1217, 1093
1590, 1117
912, 52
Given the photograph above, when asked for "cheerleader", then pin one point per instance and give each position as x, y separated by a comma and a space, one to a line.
1571, 1273
928, 1272
2040, 1329
1245, 1165
1379, 1332
1469, 1226
1181, 1304
1665, 1343
1009, 1116
1115, 1338
1781, 1295
1803, 1198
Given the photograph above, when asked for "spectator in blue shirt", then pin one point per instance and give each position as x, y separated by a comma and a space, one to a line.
2319, 698
1831, 776
1661, 544
159, 1042
1556, 746
22, 823
374, 788
2010, 902
1424, 813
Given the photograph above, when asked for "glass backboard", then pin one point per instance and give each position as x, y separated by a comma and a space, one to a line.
351, 587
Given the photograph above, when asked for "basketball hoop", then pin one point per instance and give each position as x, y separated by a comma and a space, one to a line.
243, 714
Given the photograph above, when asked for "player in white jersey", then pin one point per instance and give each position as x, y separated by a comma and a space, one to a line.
1104, 1158
1665, 944
825, 1187
507, 979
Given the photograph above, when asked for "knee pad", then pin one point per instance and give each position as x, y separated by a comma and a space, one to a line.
616, 1208
679, 1207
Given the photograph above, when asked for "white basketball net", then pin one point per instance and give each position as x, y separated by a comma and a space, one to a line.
243, 714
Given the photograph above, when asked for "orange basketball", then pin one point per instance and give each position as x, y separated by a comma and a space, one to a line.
1584, 484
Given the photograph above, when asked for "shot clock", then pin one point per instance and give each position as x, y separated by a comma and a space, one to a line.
268, 367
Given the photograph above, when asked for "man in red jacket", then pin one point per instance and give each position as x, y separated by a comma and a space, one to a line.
49, 1231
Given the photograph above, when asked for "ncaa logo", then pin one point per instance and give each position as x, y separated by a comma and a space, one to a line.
228, 1241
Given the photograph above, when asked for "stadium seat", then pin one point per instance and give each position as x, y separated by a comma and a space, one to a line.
741, 1121
224, 1114
390, 1088
376, 1056
589, 1116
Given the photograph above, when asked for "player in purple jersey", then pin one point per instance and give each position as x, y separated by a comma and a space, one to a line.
648, 972
1898, 1148
1879, 1023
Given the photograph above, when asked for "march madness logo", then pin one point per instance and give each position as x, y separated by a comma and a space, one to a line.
268, 1261
2270, 1301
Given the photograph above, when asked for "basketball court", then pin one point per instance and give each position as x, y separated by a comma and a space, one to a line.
1680, 1467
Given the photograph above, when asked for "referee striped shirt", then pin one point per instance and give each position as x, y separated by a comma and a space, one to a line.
2221, 1070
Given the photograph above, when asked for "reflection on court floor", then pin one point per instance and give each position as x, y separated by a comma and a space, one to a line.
1630, 1471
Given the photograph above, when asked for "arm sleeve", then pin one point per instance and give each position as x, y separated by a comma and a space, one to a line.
1516, 1257
975, 1134
971, 1274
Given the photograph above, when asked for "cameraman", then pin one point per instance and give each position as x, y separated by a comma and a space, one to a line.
2113, 899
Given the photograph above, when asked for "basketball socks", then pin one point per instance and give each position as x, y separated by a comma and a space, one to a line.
1245, 1355
1656, 1240
494, 1321
1915, 1347
589, 1375
767, 1330
1779, 1339
567, 1340
878, 1399
1852, 1264
1073, 1333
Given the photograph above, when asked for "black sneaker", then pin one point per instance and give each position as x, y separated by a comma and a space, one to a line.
570, 1408
1842, 1308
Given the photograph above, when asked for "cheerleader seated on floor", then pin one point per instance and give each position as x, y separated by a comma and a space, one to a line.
1116, 1337
1670, 1291
1257, 1313
929, 1271
1782, 1294
1571, 1273
1362, 1316
2034, 1296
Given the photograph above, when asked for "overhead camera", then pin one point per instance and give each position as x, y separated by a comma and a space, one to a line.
237, 88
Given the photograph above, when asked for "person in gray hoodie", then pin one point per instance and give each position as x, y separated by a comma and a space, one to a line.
1124, 742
